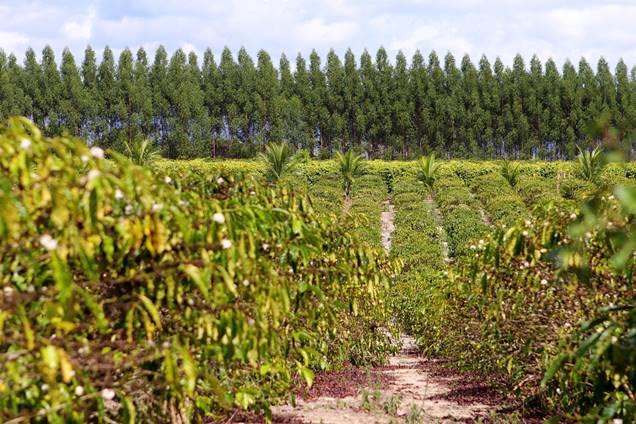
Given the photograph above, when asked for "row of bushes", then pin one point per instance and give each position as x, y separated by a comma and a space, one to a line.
532, 294
126, 294
469, 169
418, 243
369, 191
502, 204
460, 213
535, 190
466, 169
548, 305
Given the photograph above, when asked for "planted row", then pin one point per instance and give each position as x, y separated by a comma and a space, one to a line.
460, 213
127, 294
502, 204
418, 242
369, 192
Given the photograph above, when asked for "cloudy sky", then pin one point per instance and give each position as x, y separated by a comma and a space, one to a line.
559, 29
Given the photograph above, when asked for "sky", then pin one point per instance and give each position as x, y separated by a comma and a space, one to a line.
560, 29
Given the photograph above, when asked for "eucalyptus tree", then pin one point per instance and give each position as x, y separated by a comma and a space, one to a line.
91, 98
160, 101
142, 94
421, 108
50, 92
108, 112
334, 100
213, 98
318, 112
352, 97
71, 95
31, 85
402, 108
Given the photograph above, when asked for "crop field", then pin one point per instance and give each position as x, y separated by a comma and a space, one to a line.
206, 291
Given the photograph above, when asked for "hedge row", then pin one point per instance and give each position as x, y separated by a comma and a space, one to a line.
460, 213
368, 193
502, 204
417, 242
168, 297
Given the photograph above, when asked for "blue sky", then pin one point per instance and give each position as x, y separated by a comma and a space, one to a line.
558, 29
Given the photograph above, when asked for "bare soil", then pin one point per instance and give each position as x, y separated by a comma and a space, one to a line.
410, 388
387, 217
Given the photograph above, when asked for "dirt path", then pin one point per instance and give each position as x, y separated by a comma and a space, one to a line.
409, 389
440, 229
387, 217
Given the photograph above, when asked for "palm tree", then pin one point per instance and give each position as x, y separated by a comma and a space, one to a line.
351, 166
427, 172
279, 160
591, 164
141, 152
510, 172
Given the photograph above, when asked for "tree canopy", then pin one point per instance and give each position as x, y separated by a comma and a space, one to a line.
380, 106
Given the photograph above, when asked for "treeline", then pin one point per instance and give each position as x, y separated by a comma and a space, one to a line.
389, 109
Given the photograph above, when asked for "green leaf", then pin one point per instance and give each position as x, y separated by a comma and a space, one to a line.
189, 370
244, 400
62, 277
129, 412
556, 364
627, 197
307, 374
195, 274
228, 280
152, 310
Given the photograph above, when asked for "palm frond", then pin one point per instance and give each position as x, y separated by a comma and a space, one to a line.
427, 172
510, 172
141, 152
351, 166
279, 160
591, 164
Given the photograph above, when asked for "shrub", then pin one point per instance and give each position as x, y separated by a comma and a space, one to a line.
510, 172
351, 166
427, 172
575, 188
279, 160
591, 164
141, 152
535, 189
129, 294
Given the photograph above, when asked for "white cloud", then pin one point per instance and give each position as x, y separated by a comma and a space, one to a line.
316, 32
551, 28
13, 41
79, 28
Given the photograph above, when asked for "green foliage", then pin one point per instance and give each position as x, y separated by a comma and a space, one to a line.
128, 294
591, 164
524, 303
388, 108
596, 366
279, 160
418, 243
510, 172
366, 203
141, 152
536, 190
427, 172
502, 204
576, 188
460, 215
351, 166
